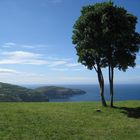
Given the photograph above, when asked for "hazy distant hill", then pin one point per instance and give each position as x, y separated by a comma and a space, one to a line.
53, 92
9, 93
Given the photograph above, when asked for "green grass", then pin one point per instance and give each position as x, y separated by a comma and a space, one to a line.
69, 121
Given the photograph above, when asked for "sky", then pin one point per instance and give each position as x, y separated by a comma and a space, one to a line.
36, 45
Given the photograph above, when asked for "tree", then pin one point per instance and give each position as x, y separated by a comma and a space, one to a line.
121, 39
105, 36
87, 36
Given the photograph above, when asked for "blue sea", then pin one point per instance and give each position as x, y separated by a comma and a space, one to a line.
121, 92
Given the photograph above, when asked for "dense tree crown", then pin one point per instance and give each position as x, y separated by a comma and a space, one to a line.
106, 32
105, 36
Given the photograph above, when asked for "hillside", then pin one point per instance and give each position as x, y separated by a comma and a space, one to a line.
69, 121
14, 93
53, 92
9, 92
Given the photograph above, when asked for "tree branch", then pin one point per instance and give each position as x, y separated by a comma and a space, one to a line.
95, 69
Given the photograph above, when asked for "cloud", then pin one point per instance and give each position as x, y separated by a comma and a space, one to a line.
8, 61
28, 46
12, 45
73, 65
65, 62
8, 44
60, 69
58, 59
16, 77
37, 62
24, 57
15, 73
7, 71
66, 69
29, 57
21, 55
23, 61
57, 63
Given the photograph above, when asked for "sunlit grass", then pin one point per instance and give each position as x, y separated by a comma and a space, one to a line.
69, 121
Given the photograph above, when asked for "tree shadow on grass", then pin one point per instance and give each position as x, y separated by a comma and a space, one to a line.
130, 112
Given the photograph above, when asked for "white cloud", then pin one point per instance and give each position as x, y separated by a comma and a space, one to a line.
67, 69
8, 44
60, 69
65, 62
24, 57
37, 62
30, 58
28, 46
58, 59
14, 76
57, 63
22, 61
21, 55
8, 71
73, 65
12, 45
8, 61
35, 78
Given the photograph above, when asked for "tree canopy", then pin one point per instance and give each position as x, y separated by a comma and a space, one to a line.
105, 36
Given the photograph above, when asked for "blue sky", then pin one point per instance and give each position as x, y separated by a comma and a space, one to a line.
36, 45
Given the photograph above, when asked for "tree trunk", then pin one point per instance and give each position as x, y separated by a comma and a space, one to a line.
111, 78
101, 84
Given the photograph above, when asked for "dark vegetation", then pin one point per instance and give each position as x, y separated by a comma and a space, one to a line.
131, 112
10, 93
104, 36
53, 92
16, 93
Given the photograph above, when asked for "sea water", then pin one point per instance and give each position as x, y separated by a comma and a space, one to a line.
121, 92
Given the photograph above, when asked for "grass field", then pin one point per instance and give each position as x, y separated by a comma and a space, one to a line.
69, 121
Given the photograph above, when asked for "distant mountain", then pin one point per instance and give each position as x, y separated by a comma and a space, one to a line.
14, 93
54, 92
9, 92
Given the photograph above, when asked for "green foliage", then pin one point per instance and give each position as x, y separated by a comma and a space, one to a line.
88, 35
9, 93
106, 33
105, 36
69, 121
16, 93
54, 92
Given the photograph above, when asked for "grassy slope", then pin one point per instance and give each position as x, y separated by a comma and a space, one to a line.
69, 121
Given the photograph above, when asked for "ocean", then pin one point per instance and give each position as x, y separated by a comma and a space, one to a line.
121, 92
